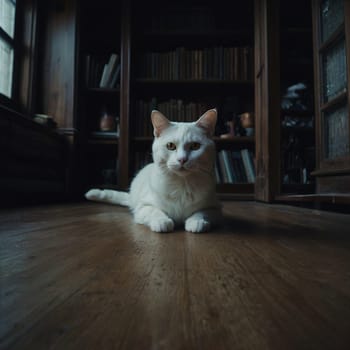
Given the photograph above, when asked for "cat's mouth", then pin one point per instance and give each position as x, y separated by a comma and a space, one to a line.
180, 170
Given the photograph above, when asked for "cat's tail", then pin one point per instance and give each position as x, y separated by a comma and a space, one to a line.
108, 196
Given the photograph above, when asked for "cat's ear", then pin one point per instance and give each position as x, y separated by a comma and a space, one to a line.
208, 121
160, 122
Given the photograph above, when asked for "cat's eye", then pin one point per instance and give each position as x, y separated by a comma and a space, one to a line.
171, 146
195, 146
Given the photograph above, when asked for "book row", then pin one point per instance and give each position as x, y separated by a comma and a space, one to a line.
235, 167
174, 109
219, 63
102, 71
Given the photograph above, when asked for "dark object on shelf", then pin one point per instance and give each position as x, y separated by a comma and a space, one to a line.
295, 98
244, 124
296, 122
107, 122
240, 125
46, 120
238, 129
247, 123
230, 130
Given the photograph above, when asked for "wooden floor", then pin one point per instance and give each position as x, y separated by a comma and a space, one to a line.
84, 276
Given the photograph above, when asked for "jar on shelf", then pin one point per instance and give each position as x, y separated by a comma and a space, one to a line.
107, 122
247, 122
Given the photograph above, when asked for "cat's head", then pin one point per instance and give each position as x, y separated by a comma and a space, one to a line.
184, 148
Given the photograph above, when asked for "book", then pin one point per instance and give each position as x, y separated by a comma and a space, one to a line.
94, 67
223, 169
228, 166
114, 73
217, 174
248, 165
104, 76
88, 60
108, 69
115, 76
239, 167
105, 134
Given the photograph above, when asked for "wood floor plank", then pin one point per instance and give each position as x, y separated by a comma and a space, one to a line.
84, 276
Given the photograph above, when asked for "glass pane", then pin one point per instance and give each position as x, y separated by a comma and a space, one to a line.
7, 16
336, 132
332, 15
6, 68
334, 71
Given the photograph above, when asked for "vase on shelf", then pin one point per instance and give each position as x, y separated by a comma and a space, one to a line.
107, 122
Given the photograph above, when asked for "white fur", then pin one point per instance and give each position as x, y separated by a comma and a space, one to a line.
170, 191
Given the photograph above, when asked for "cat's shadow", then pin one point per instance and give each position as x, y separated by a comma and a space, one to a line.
234, 225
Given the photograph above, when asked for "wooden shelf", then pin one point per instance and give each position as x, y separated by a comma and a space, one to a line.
331, 172
103, 90
218, 34
334, 198
247, 83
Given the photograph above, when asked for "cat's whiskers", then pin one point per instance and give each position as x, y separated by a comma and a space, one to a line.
205, 170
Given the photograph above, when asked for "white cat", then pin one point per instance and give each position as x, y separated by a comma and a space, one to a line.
179, 187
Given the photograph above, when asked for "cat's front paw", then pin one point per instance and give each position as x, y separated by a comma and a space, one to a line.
162, 225
93, 194
197, 225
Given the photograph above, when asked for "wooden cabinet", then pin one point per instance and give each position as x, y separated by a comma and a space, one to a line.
191, 56
99, 94
186, 58
181, 59
34, 161
332, 61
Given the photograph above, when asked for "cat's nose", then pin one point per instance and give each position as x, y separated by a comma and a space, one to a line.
182, 160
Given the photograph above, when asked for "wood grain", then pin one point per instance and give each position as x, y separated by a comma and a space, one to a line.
84, 276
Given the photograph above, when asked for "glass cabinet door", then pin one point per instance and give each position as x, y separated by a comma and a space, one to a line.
336, 132
332, 17
333, 81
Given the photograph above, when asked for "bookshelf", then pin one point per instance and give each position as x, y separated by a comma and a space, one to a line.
187, 58
99, 92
